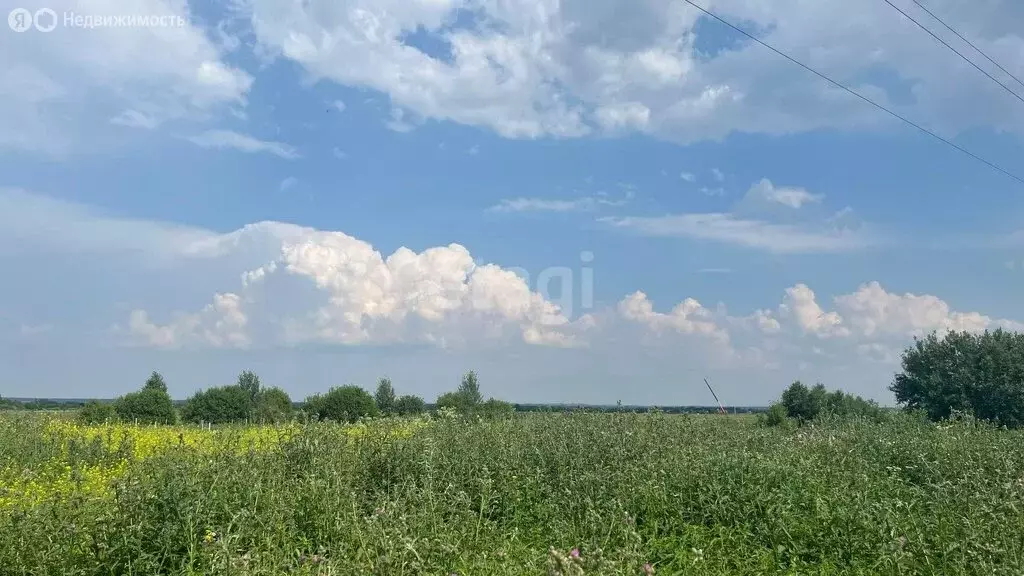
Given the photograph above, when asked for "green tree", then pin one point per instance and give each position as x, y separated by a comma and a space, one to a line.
494, 408
151, 405
777, 415
469, 388
408, 405
804, 404
155, 382
342, 404
96, 412
250, 382
454, 400
979, 374
800, 403
272, 405
8, 404
385, 396
218, 405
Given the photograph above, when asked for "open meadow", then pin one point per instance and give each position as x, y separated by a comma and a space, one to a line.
530, 494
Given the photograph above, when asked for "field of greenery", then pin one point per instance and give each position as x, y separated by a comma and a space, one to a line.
573, 493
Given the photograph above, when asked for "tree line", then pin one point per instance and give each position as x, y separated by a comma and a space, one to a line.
249, 401
975, 374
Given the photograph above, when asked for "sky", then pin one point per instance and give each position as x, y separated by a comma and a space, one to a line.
585, 201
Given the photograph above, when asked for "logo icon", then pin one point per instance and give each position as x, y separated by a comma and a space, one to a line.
20, 19
45, 20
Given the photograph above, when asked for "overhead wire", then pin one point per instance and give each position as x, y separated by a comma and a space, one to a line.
837, 84
969, 43
957, 52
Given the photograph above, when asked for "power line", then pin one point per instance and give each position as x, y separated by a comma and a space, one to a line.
958, 53
858, 94
969, 43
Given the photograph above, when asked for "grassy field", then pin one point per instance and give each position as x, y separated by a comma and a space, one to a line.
537, 494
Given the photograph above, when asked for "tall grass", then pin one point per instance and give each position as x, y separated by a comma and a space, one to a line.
685, 494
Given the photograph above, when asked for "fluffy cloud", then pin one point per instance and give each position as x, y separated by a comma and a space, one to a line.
528, 69
871, 312
800, 305
270, 287
49, 79
293, 284
222, 324
687, 317
440, 296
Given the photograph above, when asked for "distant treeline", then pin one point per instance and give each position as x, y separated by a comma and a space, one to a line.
636, 408
961, 374
55, 404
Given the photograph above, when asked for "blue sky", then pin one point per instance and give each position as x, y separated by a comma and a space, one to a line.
330, 192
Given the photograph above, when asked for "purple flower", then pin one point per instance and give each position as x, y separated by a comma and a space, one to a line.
575, 553
648, 569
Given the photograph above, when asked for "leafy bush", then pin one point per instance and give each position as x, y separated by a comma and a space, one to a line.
982, 374
494, 408
804, 404
468, 400
96, 412
775, 416
342, 404
408, 405
452, 401
842, 404
272, 405
218, 405
151, 405
465, 399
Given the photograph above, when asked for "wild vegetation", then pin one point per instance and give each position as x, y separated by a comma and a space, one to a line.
352, 483
604, 493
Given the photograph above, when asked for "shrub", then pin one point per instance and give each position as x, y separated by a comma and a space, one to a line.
408, 405
272, 405
494, 408
151, 405
775, 416
842, 404
465, 399
218, 405
982, 374
452, 401
96, 412
802, 403
342, 404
